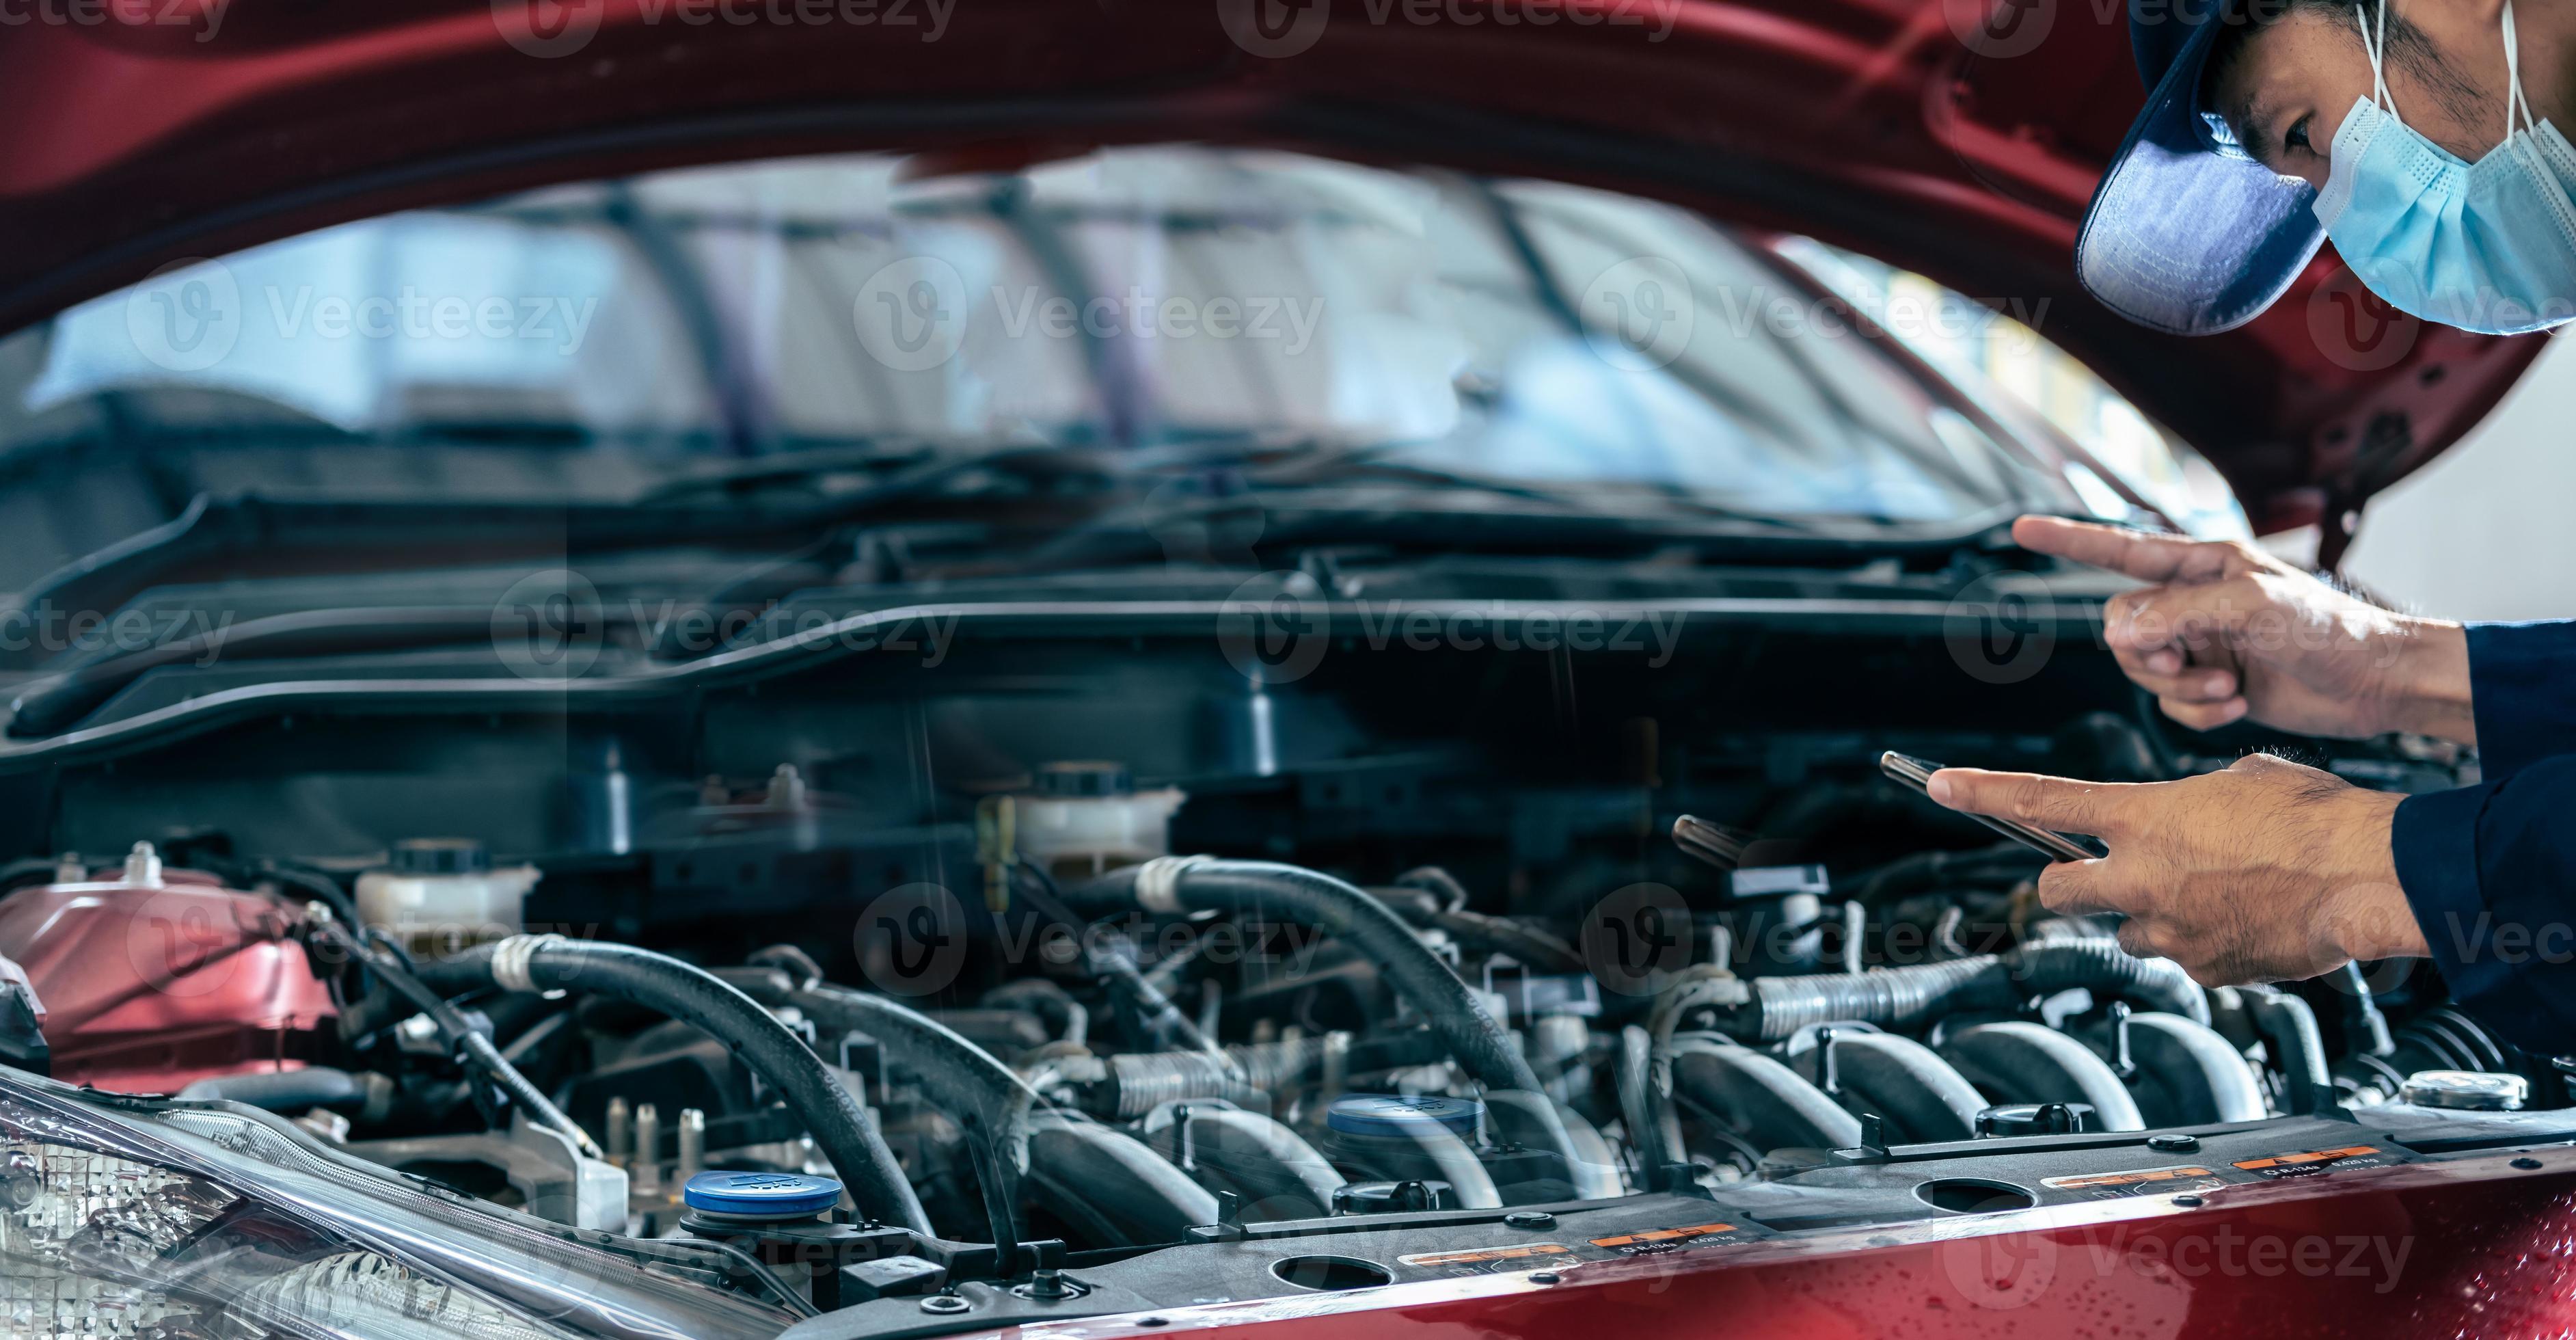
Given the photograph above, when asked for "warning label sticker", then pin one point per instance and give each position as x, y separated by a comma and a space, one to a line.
1482, 1260
1662, 1237
2313, 1161
2131, 1177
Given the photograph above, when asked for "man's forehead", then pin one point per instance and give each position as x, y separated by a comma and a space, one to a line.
2248, 86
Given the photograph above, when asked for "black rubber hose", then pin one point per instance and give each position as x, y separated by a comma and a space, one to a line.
998, 1110
1047, 999
1136, 1083
2102, 965
1307, 897
668, 986
2298, 1048
1900, 997
1534, 949
284, 1090
401, 981
2005, 862
313, 884
1890, 997
1443, 886
957, 1076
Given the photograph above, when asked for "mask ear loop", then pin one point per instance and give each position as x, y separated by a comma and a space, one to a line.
2514, 100
2377, 46
2525, 137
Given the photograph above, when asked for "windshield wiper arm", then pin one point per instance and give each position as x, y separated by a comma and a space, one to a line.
913, 459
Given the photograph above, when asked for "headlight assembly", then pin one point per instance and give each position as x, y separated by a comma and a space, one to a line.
129, 1217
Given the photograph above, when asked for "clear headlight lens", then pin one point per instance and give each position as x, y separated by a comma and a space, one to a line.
123, 1217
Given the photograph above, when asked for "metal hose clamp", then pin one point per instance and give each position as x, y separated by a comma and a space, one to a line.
511, 960
1158, 881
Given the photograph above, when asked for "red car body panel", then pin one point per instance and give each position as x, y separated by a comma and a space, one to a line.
2482, 1248
1870, 123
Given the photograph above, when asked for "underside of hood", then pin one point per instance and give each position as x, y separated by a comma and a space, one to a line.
1936, 134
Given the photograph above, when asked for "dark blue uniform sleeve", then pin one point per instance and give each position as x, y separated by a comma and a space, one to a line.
2490, 870
2522, 688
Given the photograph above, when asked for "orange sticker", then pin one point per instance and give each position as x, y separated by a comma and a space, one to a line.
1481, 1255
2311, 1156
1663, 1235
2131, 1178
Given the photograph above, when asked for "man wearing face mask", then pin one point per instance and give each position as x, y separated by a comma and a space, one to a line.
2423, 138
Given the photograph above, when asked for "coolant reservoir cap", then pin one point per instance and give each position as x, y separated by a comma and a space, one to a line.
2476, 1090
768, 1195
1397, 1114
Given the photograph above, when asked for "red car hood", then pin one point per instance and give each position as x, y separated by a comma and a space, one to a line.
1932, 133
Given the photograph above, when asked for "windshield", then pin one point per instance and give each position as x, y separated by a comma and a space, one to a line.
586, 342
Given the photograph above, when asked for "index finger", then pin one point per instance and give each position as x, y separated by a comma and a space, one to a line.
2133, 553
2060, 804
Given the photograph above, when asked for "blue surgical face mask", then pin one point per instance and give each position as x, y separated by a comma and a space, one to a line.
2488, 246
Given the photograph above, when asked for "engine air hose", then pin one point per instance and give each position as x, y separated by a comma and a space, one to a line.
2187, 1073
1049, 1001
955, 1074
1310, 898
298, 1090
1178, 884
1083, 1172
1115, 1187
1533, 948
2440, 1038
1756, 1095
1777, 1007
1135, 1083
2298, 1049
2100, 966
666, 985
1277, 1173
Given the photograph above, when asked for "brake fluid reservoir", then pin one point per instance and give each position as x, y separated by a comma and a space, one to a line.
441, 895
1080, 819
1406, 1137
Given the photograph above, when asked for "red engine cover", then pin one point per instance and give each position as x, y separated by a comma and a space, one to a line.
148, 985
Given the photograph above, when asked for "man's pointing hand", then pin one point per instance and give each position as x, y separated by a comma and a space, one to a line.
2266, 871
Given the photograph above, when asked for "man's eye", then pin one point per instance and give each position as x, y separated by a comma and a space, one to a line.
2296, 140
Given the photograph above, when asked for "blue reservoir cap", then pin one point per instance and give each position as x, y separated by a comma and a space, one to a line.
772, 1195
1394, 1114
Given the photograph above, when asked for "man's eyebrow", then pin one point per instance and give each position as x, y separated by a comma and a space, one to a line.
2252, 121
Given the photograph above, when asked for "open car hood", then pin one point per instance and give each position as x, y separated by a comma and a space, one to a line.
1932, 133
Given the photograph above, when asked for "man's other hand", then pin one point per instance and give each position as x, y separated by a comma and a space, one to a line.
2267, 871
2224, 630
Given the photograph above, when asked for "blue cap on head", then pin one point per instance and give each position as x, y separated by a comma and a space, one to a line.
2187, 233
770, 1195
1391, 1114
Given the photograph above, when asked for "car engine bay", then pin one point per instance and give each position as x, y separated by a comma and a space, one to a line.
1097, 974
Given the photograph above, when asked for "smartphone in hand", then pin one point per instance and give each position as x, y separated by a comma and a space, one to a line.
1917, 773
